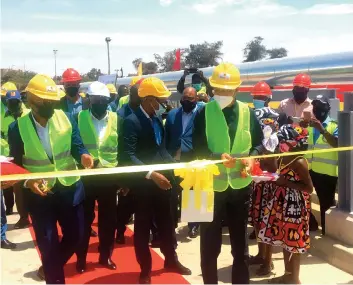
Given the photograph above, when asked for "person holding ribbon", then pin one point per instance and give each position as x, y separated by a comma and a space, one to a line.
227, 129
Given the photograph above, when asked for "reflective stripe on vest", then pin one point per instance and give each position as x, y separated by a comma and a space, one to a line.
218, 141
35, 158
105, 151
324, 163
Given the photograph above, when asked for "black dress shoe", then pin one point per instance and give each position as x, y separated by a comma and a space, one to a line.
9, 211
177, 267
193, 232
120, 239
6, 244
145, 279
93, 233
80, 266
108, 263
21, 224
40, 273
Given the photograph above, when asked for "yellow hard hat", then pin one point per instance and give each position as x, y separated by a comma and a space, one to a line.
82, 94
8, 86
153, 86
225, 76
112, 89
134, 80
44, 87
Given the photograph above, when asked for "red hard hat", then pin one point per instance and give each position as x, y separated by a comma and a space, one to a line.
302, 80
261, 88
70, 75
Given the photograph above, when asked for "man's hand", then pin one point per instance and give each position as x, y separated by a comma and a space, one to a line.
186, 72
161, 181
315, 123
87, 161
304, 124
248, 165
37, 186
229, 161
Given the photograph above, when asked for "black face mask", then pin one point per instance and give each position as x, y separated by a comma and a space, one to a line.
71, 91
46, 111
187, 105
14, 108
99, 110
321, 115
300, 96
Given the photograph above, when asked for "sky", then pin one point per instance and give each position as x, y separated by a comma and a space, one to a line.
32, 29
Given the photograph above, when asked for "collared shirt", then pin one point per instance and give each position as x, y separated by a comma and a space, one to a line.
74, 108
324, 124
186, 118
100, 125
293, 109
43, 134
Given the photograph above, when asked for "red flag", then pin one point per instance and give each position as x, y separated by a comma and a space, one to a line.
177, 63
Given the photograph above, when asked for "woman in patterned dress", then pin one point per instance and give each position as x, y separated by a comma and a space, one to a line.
286, 218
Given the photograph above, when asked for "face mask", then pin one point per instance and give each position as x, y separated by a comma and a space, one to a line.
258, 104
99, 110
320, 115
71, 91
197, 86
223, 101
161, 110
299, 96
187, 105
46, 111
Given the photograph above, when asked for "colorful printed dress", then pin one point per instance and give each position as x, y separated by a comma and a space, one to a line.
261, 193
285, 221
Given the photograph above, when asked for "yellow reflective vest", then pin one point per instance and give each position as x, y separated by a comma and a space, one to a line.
218, 141
105, 150
324, 163
123, 100
35, 158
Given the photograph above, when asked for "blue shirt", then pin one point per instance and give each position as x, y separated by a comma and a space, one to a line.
324, 124
186, 118
74, 108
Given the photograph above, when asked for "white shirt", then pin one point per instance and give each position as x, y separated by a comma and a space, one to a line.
43, 134
100, 125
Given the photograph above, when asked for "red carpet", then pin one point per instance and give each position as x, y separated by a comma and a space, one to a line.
127, 271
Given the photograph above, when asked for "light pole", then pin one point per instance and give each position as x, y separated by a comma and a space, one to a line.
108, 40
55, 51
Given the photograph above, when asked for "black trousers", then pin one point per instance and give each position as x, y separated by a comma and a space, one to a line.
325, 187
124, 211
102, 189
10, 200
152, 202
234, 204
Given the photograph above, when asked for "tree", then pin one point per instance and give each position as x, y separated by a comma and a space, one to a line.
165, 62
203, 55
92, 75
136, 62
19, 77
149, 67
277, 53
254, 50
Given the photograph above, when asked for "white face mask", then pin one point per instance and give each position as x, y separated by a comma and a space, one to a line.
223, 101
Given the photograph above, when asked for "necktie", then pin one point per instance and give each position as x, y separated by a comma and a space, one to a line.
157, 130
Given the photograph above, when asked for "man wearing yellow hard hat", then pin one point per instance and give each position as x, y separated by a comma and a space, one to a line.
224, 129
48, 140
142, 143
123, 91
8, 86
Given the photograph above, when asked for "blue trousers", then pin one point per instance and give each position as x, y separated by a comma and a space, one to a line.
45, 213
3, 218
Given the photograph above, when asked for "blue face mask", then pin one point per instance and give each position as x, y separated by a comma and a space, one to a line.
197, 86
258, 104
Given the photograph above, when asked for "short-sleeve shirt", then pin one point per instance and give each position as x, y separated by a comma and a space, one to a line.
293, 109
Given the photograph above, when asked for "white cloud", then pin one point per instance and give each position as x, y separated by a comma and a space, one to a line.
330, 9
166, 2
205, 8
76, 18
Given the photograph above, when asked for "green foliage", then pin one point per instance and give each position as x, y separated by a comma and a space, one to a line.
204, 55
91, 75
277, 53
165, 62
19, 77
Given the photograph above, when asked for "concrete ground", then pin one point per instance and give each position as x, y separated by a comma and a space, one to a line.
19, 266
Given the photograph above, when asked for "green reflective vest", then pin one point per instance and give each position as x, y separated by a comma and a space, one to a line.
105, 150
35, 158
123, 100
218, 141
324, 163
5, 150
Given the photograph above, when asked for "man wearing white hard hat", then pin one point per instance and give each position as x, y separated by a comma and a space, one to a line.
99, 131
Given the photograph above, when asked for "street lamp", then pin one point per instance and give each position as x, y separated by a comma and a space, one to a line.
108, 40
55, 51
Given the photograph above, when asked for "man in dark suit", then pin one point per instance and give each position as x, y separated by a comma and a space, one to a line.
50, 201
142, 142
178, 133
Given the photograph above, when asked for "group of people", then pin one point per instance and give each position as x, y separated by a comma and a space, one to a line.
104, 130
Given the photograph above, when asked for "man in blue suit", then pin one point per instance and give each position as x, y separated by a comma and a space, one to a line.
178, 133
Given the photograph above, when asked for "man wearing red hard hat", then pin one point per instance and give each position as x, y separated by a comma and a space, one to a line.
299, 103
72, 103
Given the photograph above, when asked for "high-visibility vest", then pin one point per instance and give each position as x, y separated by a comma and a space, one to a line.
35, 159
123, 100
203, 90
5, 150
218, 141
8, 120
106, 150
324, 163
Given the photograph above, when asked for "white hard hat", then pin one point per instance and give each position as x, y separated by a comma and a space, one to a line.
98, 89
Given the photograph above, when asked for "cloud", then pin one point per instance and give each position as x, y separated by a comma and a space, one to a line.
93, 39
205, 8
330, 9
166, 3
75, 18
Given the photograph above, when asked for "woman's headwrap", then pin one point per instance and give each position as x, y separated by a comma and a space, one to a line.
268, 121
293, 135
